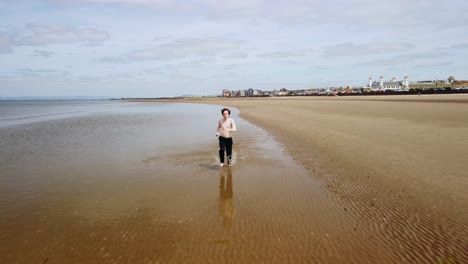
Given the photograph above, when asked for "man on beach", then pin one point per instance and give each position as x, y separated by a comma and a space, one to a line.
225, 128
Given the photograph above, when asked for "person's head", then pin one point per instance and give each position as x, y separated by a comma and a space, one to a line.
226, 112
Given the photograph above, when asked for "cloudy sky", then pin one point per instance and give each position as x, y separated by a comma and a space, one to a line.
156, 48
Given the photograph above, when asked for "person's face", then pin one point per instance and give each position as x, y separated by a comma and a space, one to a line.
225, 114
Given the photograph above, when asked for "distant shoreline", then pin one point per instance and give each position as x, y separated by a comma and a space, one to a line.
432, 98
345, 95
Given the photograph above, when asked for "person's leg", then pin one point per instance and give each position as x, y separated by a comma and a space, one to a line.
229, 149
222, 148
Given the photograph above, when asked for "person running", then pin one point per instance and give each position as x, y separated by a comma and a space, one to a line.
225, 128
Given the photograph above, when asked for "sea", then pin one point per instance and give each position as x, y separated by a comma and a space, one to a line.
72, 139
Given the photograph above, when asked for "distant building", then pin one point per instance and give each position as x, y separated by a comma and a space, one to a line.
457, 84
390, 85
281, 92
431, 84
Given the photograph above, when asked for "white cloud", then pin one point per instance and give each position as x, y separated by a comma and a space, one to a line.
43, 53
29, 72
459, 46
113, 60
365, 49
432, 64
179, 49
5, 43
43, 35
236, 55
59, 34
356, 13
283, 54
296, 42
183, 77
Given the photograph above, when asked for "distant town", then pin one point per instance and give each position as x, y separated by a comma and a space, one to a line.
373, 87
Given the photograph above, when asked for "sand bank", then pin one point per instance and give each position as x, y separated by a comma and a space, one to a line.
398, 163
364, 181
142, 184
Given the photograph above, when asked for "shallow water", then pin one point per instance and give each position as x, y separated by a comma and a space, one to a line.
140, 183
129, 182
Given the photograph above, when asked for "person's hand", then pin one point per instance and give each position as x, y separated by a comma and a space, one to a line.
217, 134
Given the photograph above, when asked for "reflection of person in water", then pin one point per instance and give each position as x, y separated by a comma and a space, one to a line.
226, 206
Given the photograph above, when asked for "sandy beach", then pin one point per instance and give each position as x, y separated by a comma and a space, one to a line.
314, 180
396, 163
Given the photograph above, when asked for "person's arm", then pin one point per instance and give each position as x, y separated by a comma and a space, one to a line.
217, 130
233, 126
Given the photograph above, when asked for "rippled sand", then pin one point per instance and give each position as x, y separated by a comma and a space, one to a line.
353, 181
396, 166
121, 188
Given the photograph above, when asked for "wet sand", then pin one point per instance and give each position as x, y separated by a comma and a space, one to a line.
397, 165
142, 184
322, 180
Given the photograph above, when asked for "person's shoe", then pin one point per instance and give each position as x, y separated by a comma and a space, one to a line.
229, 162
221, 164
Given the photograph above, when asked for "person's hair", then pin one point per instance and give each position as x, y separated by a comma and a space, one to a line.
226, 109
